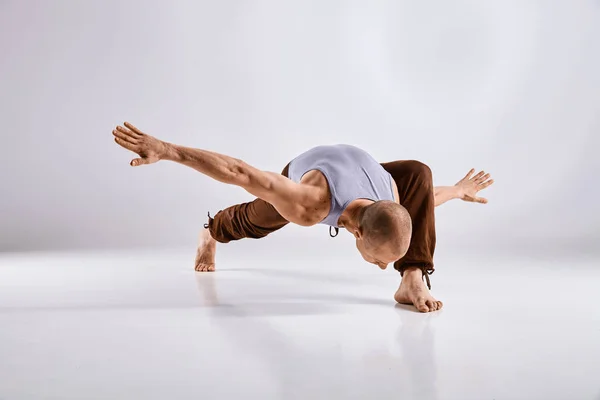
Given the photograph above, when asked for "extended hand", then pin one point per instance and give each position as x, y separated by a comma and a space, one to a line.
147, 147
470, 186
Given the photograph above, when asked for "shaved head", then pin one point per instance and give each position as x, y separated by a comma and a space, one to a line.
386, 229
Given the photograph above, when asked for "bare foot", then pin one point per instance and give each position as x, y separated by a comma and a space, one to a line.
205, 255
413, 291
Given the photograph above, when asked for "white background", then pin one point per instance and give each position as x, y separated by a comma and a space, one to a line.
511, 87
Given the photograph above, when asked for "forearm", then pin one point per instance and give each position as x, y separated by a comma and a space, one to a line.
289, 198
443, 194
220, 167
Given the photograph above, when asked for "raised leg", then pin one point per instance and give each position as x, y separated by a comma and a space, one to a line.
253, 220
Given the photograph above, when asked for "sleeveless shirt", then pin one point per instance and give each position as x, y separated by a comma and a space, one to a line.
351, 174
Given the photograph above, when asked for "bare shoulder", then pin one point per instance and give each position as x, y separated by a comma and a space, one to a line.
300, 203
396, 193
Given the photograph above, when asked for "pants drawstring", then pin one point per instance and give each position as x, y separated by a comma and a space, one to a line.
426, 274
209, 218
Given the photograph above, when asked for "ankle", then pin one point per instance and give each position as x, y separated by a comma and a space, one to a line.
413, 273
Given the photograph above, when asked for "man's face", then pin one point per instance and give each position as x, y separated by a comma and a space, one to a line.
378, 255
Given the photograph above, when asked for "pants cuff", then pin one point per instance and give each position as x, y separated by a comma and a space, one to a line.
426, 268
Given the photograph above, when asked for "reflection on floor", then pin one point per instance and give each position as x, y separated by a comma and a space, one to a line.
128, 326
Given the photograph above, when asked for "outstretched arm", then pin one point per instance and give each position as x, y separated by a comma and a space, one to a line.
443, 194
466, 189
289, 198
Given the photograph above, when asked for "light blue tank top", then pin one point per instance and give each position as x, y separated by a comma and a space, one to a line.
350, 172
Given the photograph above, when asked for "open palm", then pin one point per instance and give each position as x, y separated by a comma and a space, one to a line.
147, 147
470, 185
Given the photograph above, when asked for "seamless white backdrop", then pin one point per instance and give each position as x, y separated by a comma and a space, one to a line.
511, 87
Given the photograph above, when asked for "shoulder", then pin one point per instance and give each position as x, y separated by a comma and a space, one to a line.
395, 190
315, 199
301, 203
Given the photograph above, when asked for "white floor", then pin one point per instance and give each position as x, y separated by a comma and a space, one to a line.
145, 326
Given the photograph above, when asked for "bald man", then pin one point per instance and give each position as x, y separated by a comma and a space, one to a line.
388, 207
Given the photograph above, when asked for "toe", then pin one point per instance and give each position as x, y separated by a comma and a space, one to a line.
431, 305
421, 305
211, 268
440, 305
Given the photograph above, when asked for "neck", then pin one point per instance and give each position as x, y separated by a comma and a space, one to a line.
351, 216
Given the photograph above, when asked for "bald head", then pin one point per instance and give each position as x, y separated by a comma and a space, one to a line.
386, 224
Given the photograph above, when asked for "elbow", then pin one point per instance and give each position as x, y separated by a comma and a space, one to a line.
240, 173
237, 167
307, 218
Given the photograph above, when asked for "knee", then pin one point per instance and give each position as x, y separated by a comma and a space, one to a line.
420, 170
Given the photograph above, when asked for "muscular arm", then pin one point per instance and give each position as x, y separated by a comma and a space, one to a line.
220, 167
289, 198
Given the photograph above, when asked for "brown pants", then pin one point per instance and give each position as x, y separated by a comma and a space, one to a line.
258, 218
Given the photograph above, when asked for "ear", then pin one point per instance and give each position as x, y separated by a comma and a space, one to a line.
358, 234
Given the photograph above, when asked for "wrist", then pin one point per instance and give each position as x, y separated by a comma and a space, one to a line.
168, 152
457, 192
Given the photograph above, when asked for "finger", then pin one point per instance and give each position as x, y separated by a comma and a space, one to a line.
124, 144
481, 200
138, 161
479, 175
483, 178
486, 184
125, 137
469, 173
133, 128
128, 132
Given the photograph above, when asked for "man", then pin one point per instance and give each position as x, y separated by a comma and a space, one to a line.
389, 207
